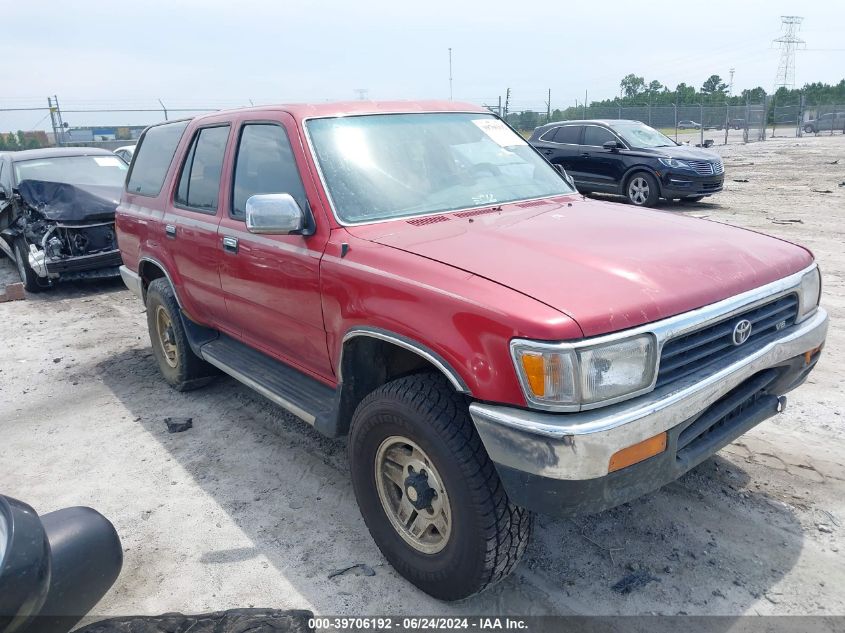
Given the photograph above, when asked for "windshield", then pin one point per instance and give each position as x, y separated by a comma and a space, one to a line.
640, 135
107, 171
394, 165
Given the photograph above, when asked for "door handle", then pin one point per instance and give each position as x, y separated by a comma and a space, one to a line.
230, 244
170, 230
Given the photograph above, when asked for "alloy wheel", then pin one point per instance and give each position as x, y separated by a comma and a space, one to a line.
413, 495
638, 190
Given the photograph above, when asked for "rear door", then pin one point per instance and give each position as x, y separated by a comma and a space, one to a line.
601, 169
191, 219
560, 146
272, 282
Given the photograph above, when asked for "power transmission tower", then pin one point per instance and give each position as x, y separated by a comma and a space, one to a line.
789, 42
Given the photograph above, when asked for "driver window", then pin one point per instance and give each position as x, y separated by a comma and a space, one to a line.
264, 164
597, 136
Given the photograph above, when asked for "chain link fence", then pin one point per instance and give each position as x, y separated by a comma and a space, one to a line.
695, 123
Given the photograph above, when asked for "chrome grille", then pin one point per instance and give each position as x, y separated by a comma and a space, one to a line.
707, 168
688, 353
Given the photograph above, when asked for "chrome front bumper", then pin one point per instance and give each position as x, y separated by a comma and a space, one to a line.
578, 446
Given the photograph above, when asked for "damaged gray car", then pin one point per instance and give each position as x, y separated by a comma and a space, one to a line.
57, 213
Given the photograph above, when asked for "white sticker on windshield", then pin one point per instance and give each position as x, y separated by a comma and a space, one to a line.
108, 161
499, 132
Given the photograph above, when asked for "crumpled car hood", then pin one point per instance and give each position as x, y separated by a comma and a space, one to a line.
63, 202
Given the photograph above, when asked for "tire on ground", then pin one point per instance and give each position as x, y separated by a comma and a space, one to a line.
190, 371
646, 200
31, 281
488, 533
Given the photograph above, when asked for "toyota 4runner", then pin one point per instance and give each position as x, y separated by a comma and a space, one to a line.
418, 277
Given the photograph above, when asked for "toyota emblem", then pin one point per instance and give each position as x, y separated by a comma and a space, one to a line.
742, 331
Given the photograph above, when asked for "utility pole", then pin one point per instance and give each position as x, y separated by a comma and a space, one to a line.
549, 107
450, 73
789, 42
507, 102
56, 120
585, 104
731, 84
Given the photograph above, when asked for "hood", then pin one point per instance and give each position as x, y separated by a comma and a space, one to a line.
63, 202
681, 152
606, 265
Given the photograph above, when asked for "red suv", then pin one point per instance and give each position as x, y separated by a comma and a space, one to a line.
417, 276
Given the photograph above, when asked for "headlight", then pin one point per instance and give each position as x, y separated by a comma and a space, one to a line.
674, 162
568, 376
810, 293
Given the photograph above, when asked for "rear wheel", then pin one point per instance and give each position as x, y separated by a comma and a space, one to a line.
641, 190
428, 492
182, 369
809, 129
31, 281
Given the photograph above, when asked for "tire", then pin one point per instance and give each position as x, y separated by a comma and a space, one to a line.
31, 281
421, 415
809, 129
692, 199
641, 189
182, 369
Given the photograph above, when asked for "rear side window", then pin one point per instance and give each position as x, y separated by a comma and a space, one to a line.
265, 164
153, 157
598, 136
568, 134
199, 182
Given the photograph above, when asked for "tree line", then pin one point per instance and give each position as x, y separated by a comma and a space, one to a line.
22, 140
636, 91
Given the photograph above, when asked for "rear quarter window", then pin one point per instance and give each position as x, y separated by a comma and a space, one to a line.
153, 157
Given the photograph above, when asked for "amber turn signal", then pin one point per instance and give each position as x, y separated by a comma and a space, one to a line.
638, 452
535, 371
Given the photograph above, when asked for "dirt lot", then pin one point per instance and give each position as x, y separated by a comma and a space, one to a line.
253, 508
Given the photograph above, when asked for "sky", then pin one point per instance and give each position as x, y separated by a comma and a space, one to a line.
213, 54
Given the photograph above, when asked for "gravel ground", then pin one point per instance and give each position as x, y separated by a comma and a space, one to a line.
252, 508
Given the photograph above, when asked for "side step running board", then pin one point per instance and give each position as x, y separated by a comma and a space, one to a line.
303, 396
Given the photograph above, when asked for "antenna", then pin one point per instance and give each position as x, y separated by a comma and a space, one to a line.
450, 73
789, 43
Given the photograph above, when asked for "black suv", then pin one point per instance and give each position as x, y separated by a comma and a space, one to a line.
631, 159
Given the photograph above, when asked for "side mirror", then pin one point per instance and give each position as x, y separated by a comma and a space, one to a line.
24, 564
56, 567
613, 146
274, 214
566, 176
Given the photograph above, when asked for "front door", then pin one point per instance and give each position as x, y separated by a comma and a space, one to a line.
271, 283
601, 169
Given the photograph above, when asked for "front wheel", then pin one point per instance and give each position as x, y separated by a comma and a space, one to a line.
31, 281
428, 492
809, 129
642, 190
